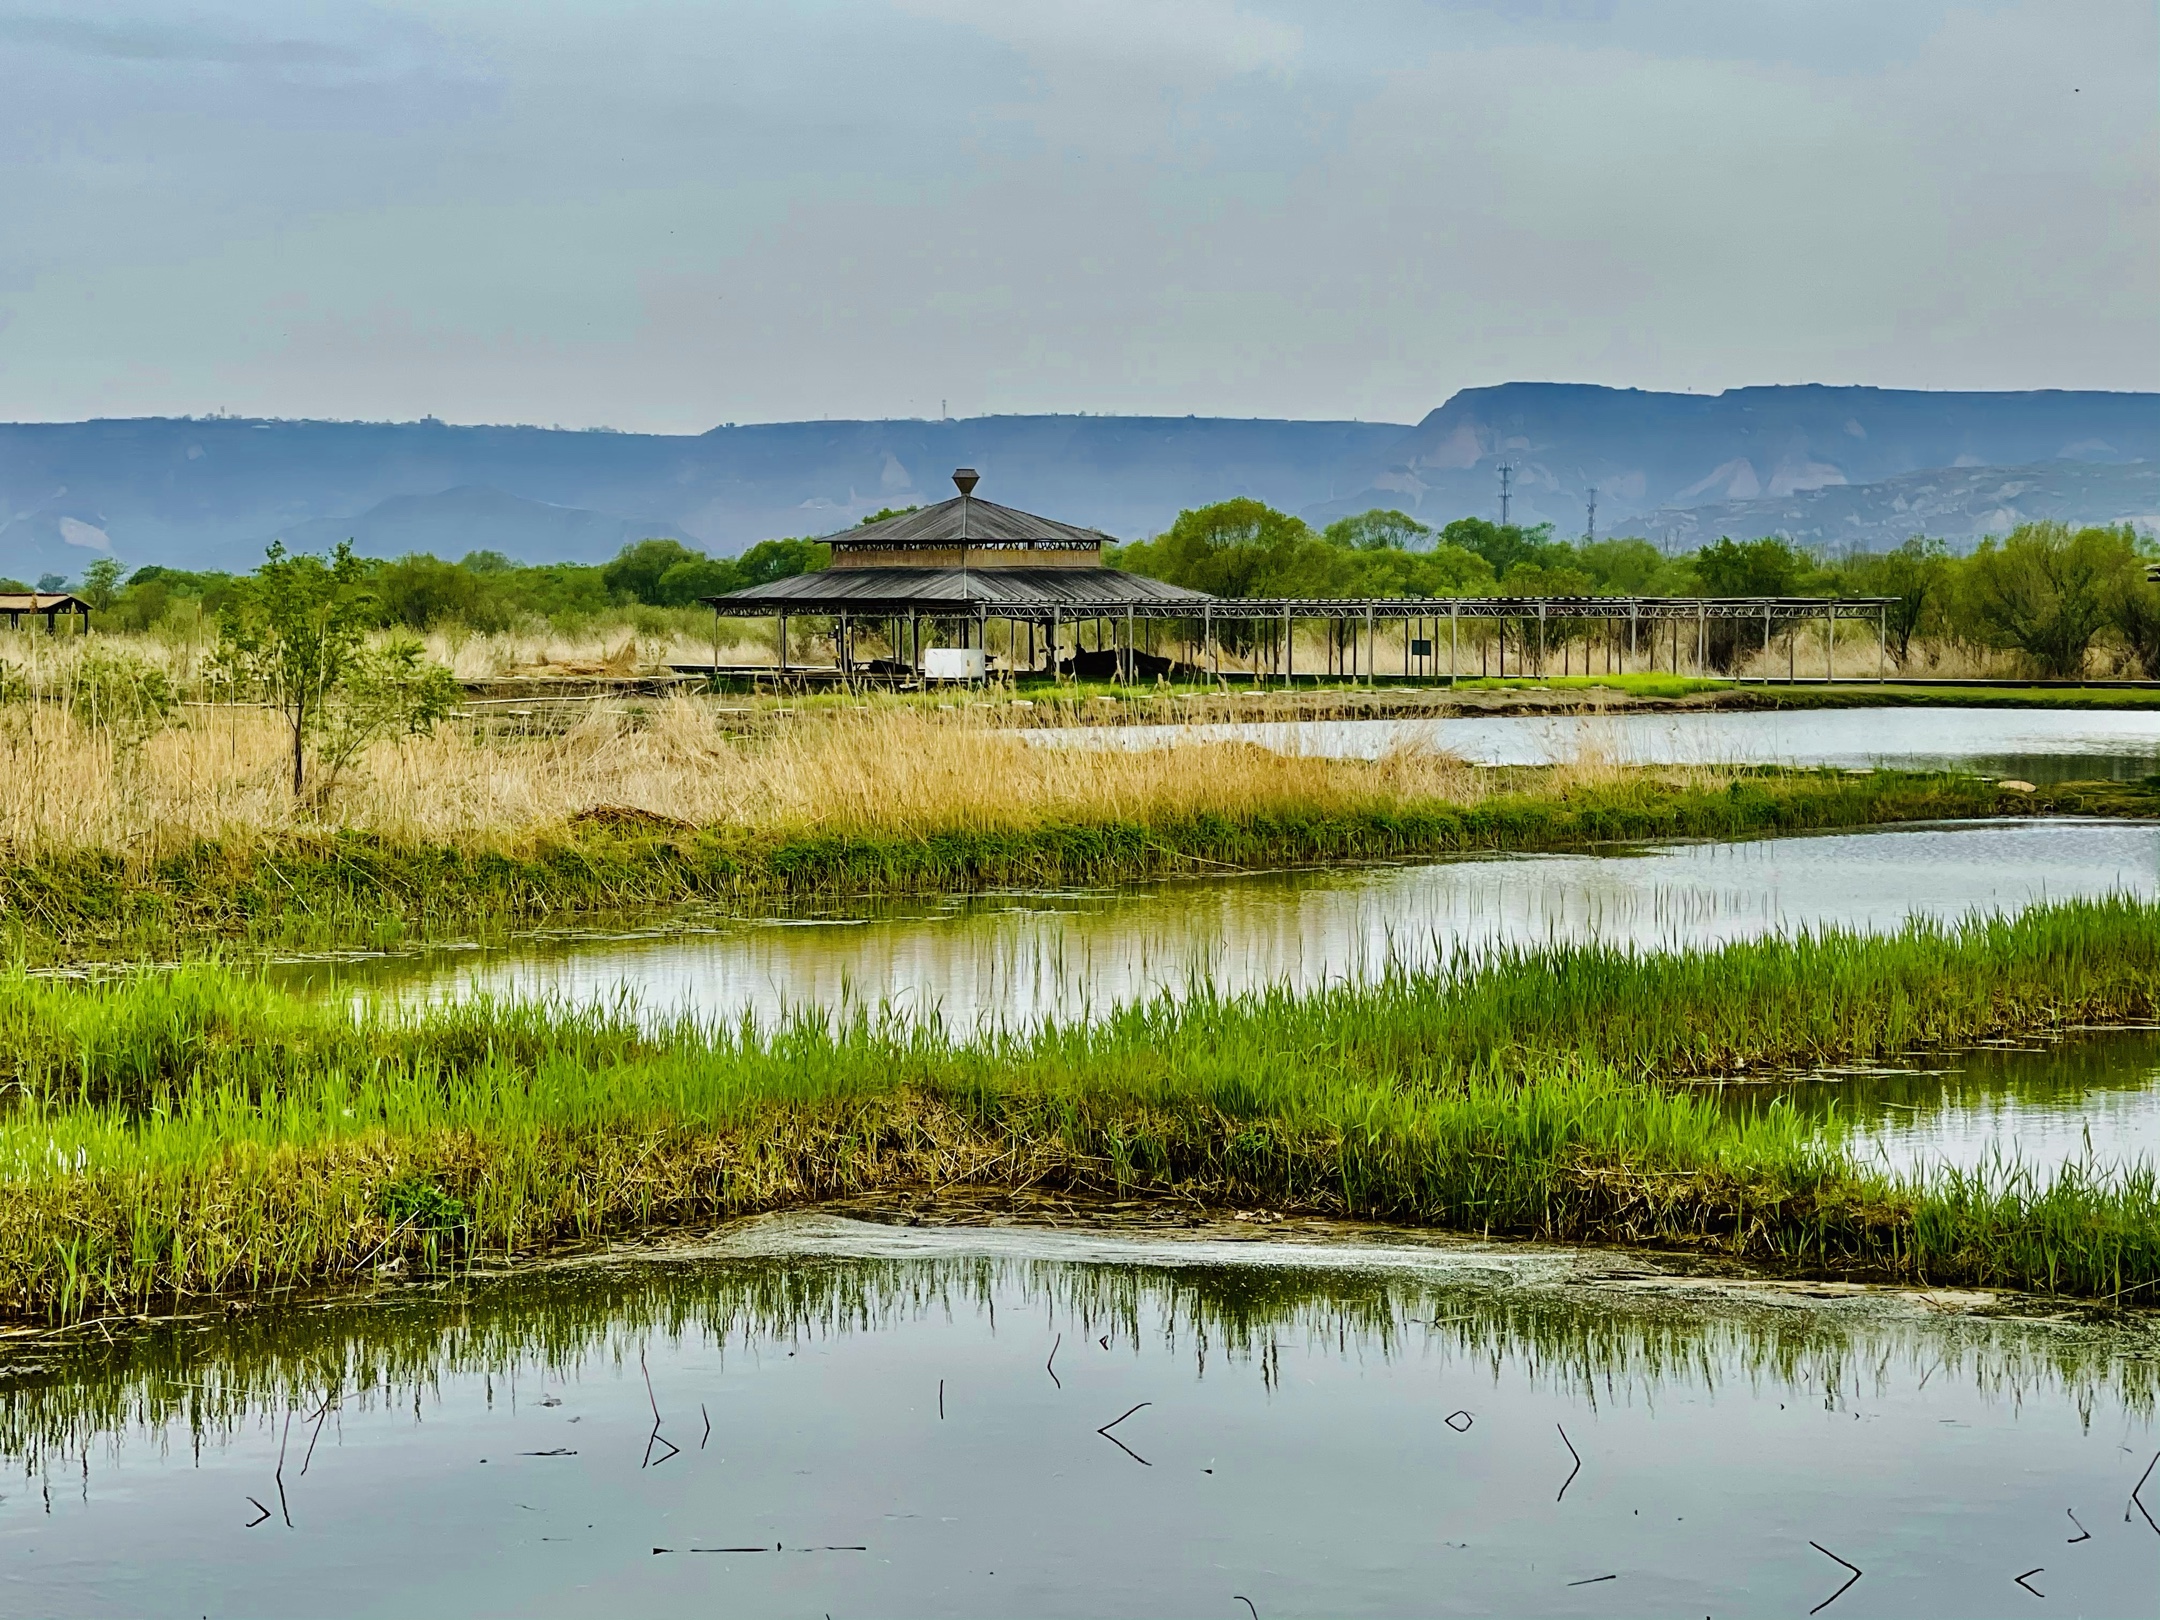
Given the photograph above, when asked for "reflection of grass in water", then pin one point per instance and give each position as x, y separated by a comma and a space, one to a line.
195, 1130
1610, 1350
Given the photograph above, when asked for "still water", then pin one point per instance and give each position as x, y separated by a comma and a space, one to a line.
1022, 957
2092, 1099
2038, 745
823, 1416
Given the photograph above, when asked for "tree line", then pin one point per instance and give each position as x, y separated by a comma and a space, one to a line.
2058, 598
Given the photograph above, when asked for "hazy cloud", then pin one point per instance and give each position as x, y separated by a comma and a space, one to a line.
659, 215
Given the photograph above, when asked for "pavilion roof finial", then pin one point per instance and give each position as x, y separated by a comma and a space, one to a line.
964, 480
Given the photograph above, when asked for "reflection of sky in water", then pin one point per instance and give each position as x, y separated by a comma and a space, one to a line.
2044, 745
1015, 959
2094, 1098
916, 1417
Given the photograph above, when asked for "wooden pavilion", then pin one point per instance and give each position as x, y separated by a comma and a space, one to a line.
52, 604
959, 565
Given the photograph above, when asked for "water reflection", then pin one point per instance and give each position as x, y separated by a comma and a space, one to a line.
2095, 1098
911, 1421
1018, 958
2039, 745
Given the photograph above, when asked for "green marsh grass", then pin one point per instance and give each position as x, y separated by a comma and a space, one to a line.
193, 1132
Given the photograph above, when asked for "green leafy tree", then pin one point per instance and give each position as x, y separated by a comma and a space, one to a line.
420, 592
1915, 577
1768, 567
101, 583
1504, 546
1624, 567
2047, 590
708, 576
296, 634
1238, 547
1381, 529
637, 570
769, 560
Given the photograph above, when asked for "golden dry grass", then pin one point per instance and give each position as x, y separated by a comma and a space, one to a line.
895, 768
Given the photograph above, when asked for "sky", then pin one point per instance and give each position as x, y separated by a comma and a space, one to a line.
661, 217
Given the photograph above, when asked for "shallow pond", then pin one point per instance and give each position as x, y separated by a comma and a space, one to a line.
2038, 745
820, 1416
1019, 958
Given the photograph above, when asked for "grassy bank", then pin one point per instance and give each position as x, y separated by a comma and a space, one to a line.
300, 884
171, 1135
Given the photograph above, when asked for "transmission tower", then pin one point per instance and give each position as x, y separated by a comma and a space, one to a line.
1507, 474
1590, 519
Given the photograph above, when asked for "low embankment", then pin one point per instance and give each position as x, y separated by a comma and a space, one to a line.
298, 884
179, 1134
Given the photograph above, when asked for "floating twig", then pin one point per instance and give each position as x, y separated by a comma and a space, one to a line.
941, 1400
1050, 1366
261, 1513
559, 1451
2137, 1500
2027, 1584
1240, 1597
707, 1416
1104, 1431
1572, 1472
1593, 1580
1841, 1591
2083, 1533
1460, 1428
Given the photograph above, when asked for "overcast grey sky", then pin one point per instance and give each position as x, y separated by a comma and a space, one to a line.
664, 216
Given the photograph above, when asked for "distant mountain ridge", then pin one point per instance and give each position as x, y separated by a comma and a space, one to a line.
1825, 464
1650, 455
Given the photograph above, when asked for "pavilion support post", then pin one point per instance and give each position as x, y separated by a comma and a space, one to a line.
1454, 639
1634, 618
1829, 644
1289, 657
783, 646
1792, 652
1372, 650
914, 649
716, 646
1702, 641
1882, 643
1207, 640
1541, 641
1132, 654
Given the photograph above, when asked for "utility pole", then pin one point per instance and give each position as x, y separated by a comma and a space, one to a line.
1590, 521
1507, 473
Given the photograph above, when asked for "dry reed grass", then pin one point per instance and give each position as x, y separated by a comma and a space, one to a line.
893, 769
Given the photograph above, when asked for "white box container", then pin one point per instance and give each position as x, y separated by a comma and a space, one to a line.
954, 664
